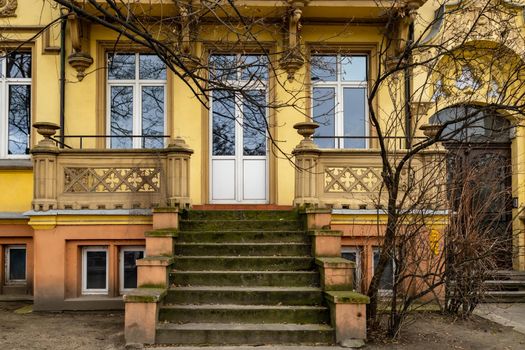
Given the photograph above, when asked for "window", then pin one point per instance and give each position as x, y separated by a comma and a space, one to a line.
387, 279
128, 267
95, 270
15, 104
136, 100
339, 100
15, 264
354, 254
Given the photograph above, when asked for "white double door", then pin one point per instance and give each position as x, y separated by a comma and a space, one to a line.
239, 156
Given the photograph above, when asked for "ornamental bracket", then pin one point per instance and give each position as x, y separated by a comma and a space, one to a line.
8, 8
293, 58
80, 59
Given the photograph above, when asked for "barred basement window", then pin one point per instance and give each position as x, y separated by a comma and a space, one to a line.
95, 270
15, 104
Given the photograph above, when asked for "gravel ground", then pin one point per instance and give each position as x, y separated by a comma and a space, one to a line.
104, 331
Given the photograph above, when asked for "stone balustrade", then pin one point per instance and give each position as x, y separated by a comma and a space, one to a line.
352, 178
109, 178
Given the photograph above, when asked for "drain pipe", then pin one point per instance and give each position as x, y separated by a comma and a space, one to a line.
63, 24
408, 84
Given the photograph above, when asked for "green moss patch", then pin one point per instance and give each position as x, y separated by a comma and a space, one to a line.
346, 297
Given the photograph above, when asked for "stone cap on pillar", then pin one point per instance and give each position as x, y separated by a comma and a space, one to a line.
178, 144
47, 130
306, 130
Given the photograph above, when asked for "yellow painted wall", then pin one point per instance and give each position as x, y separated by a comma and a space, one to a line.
16, 190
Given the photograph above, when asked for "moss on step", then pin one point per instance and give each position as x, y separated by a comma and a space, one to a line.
346, 297
334, 262
167, 232
145, 295
325, 233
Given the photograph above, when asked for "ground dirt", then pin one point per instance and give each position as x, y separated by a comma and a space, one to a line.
104, 331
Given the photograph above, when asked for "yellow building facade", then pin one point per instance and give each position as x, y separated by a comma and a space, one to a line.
75, 185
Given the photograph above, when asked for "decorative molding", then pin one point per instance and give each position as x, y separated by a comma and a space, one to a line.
111, 180
8, 8
352, 179
293, 58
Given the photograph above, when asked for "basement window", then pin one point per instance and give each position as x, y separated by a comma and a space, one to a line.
354, 254
15, 264
94, 270
386, 283
128, 267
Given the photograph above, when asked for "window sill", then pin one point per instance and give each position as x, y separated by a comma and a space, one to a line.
16, 164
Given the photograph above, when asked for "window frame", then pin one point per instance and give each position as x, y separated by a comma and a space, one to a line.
84, 289
5, 83
7, 255
339, 85
383, 291
136, 84
358, 264
124, 249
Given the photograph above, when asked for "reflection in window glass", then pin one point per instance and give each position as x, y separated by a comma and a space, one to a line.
223, 67
151, 67
121, 116
223, 106
324, 68
121, 66
354, 116
16, 263
96, 269
18, 65
254, 122
354, 68
324, 114
19, 119
153, 115
254, 68
354, 256
387, 278
130, 258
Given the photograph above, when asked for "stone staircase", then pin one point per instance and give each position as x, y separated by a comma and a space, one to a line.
505, 286
243, 278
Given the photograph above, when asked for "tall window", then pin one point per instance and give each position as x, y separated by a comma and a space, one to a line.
339, 100
354, 254
15, 105
128, 267
386, 283
136, 100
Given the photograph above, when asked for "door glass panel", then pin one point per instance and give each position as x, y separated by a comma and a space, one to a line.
153, 116
121, 116
17, 264
254, 123
151, 67
19, 119
353, 68
130, 267
324, 68
121, 66
223, 106
354, 116
324, 114
96, 269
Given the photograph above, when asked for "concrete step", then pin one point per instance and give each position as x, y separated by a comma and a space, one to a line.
244, 278
234, 313
240, 215
244, 236
513, 285
245, 295
243, 249
504, 297
239, 225
243, 334
507, 275
244, 263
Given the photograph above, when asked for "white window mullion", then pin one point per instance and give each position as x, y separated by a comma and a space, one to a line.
239, 146
137, 114
3, 118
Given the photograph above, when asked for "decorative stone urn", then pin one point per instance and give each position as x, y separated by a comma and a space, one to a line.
430, 130
47, 130
80, 61
306, 130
